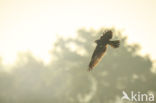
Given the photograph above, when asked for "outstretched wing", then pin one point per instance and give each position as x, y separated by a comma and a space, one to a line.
97, 55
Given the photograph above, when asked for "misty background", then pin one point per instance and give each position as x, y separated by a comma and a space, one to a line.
66, 78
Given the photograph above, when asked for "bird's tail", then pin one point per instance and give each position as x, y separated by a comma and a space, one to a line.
114, 44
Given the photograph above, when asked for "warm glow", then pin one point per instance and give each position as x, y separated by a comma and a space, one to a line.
33, 25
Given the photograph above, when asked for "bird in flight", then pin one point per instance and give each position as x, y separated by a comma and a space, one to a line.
101, 47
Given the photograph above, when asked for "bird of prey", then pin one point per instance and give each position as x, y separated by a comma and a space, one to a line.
101, 47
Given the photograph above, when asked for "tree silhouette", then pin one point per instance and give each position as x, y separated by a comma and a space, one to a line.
66, 79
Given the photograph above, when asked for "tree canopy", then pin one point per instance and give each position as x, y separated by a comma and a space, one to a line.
66, 79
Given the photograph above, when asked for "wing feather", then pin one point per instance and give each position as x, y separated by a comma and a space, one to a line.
97, 55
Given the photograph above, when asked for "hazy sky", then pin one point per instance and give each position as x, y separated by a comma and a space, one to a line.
32, 25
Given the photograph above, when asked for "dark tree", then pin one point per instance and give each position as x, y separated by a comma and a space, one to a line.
67, 80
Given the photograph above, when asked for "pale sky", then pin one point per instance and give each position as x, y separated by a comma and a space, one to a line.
32, 25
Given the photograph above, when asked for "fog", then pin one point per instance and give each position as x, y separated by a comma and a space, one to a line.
66, 78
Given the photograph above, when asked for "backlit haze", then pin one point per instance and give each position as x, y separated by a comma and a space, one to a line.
33, 25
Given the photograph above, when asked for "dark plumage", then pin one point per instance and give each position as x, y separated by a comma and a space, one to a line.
101, 47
